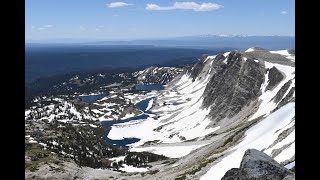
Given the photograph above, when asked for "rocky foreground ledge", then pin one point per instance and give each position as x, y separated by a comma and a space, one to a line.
258, 165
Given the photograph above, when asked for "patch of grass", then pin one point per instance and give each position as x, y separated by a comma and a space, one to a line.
39, 156
31, 167
197, 168
166, 162
149, 172
181, 177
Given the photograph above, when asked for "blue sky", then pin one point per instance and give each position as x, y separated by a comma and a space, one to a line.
141, 19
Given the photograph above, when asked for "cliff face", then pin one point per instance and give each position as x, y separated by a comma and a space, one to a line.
235, 84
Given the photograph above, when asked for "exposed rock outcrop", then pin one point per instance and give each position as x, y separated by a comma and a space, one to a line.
274, 77
289, 97
258, 165
282, 91
233, 86
197, 68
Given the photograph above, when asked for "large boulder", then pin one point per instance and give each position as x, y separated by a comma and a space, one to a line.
258, 165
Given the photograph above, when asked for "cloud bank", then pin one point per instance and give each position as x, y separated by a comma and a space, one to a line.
118, 4
186, 6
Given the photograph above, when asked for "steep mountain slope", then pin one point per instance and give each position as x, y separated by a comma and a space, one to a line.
203, 122
211, 114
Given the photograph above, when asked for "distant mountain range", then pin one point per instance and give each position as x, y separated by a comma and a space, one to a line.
240, 42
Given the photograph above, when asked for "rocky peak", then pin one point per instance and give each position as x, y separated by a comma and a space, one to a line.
233, 85
274, 76
258, 165
197, 68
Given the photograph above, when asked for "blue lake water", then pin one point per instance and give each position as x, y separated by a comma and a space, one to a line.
149, 87
91, 98
142, 105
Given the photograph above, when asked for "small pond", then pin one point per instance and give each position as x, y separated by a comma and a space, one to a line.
91, 98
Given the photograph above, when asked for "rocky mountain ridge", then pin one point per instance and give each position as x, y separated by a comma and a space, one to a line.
209, 115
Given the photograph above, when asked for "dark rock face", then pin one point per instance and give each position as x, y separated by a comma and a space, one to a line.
233, 86
282, 91
274, 76
232, 174
292, 51
289, 97
256, 165
197, 68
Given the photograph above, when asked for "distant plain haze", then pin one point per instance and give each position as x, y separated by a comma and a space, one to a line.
76, 21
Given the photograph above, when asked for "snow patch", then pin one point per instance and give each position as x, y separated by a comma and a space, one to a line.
290, 165
249, 50
169, 151
267, 105
129, 168
258, 137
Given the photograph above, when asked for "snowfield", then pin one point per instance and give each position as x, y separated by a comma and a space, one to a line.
128, 168
284, 53
169, 151
176, 124
258, 137
267, 105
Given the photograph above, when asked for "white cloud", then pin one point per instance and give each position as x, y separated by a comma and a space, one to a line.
82, 28
186, 5
284, 12
118, 4
44, 27
97, 29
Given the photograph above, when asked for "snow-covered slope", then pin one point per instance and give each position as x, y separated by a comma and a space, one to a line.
232, 102
204, 119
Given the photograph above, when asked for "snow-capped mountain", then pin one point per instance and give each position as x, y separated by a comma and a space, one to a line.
225, 104
202, 123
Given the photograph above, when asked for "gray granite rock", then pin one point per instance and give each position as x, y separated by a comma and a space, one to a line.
282, 91
233, 86
257, 165
274, 78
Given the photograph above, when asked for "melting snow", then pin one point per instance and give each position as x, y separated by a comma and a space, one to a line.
128, 168
249, 50
267, 105
150, 103
284, 53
